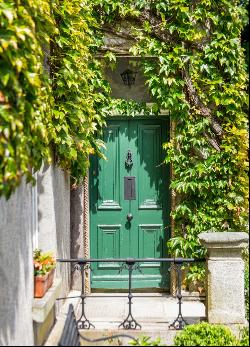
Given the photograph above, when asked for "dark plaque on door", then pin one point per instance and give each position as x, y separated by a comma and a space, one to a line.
129, 188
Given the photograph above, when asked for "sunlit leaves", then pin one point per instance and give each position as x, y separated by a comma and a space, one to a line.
202, 37
41, 39
23, 106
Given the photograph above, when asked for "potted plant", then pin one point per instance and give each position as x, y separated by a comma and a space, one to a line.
44, 268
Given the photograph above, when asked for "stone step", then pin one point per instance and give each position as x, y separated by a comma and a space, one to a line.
154, 314
166, 337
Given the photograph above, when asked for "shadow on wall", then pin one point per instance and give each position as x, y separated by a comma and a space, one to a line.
16, 268
61, 191
77, 231
54, 217
40, 187
76, 220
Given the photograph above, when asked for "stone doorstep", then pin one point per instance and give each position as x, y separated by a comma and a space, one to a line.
194, 296
186, 295
42, 306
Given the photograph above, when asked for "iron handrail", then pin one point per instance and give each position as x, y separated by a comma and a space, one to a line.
131, 260
130, 264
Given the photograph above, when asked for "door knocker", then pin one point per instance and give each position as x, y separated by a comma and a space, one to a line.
129, 161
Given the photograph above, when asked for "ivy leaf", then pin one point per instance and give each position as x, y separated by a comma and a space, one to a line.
9, 15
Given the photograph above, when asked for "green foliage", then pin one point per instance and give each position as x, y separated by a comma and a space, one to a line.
201, 334
131, 108
205, 334
199, 75
24, 111
75, 118
44, 262
186, 246
146, 341
196, 273
244, 337
47, 102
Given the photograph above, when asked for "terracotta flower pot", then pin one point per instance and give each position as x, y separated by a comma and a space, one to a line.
43, 283
40, 285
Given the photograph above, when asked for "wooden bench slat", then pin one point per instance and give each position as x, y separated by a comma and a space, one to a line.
70, 335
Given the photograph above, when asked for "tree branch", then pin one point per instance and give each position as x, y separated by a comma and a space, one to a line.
191, 93
158, 31
212, 142
155, 24
195, 101
119, 33
114, 50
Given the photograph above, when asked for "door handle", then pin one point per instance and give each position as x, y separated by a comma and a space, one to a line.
129, 217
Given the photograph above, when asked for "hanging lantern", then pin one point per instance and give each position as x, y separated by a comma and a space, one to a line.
128, 77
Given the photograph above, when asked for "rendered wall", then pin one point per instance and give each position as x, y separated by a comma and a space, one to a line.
53, 186
33, 217
16, 268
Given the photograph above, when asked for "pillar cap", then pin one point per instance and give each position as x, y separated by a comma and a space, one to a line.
230, 239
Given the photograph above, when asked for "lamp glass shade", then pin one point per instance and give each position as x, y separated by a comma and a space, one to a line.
128, 77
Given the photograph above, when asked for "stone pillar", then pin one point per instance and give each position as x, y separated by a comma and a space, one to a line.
225, 302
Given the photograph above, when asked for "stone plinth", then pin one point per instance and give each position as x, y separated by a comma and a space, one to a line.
43, 312
225, 276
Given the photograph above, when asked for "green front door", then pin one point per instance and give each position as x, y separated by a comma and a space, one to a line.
132, 181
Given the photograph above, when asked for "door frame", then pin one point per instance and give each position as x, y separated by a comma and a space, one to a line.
86, 196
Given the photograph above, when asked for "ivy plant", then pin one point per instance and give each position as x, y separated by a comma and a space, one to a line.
54, 97
49, 102
198, 74
24, 90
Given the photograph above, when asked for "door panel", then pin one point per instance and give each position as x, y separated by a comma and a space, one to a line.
112, 235
109, 171
150, 241
149, 172
109, 241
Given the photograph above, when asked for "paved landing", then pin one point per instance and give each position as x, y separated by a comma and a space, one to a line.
155, 310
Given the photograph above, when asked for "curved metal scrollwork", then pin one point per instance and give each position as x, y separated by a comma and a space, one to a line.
129, 160
130, 322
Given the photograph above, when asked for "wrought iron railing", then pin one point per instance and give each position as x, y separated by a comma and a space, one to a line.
72, 337
130, 264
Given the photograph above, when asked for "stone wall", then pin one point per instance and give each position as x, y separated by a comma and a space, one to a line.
53, 186
33, 217
16, 268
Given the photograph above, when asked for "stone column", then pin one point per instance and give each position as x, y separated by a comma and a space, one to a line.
225, 302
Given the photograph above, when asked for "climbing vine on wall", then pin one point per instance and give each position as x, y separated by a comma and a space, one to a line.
53, 96
199, 75
75, 118
48, 101
24, 135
